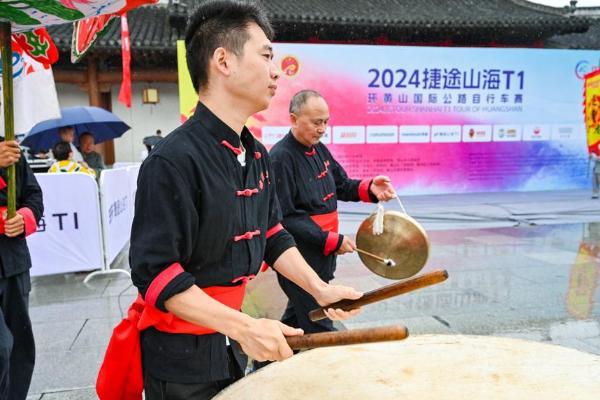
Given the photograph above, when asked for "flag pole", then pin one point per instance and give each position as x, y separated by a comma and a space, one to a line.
9, 122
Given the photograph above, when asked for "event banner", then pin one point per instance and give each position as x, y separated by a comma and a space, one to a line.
69, 236
439, 119
592, 111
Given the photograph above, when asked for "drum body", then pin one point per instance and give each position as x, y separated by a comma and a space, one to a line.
428, 367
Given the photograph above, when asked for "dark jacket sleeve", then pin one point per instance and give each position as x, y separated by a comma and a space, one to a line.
350, 189
296, 221
163, 232
278, 239
31, 196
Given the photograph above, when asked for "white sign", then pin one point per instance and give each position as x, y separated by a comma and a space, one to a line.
445, 133
382, 134
273, 134
348, 134
536, 132
414, 134
69, 236
326, 138
116, 210
476, 133
507, 133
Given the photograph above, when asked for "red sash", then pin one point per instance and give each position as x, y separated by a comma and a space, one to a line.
121, 376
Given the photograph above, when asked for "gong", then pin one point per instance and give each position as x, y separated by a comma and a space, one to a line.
403, 240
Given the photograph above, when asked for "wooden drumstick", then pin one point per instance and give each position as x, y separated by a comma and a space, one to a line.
387, 261
383, 293
343, 338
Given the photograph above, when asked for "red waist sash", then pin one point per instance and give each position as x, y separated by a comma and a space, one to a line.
121, 376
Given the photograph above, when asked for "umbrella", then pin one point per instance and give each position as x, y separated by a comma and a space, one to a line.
103, 124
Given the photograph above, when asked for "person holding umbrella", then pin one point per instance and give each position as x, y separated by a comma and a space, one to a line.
67, 134
91, 157
17, 347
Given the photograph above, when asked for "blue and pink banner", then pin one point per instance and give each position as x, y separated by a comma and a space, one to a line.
444, 120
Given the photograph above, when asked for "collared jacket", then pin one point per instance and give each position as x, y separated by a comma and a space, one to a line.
201, 218
309, 184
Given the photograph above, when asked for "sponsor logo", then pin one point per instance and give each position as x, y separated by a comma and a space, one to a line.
582, 68
290, 66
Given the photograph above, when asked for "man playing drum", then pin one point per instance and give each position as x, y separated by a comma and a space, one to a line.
206, 215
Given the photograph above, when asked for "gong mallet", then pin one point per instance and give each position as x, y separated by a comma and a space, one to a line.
343, 338
383, 293
387, 261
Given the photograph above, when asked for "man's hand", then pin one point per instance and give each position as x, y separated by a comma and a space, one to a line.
265, 340
382, 188
332, 293
9, 153
348, 246
14, 226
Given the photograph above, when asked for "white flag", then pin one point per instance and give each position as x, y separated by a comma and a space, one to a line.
34, 93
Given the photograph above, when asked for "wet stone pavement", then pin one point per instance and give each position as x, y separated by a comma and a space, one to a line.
538, 283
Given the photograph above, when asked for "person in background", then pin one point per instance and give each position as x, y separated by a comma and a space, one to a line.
92, 158
309, 183
64, 161
151, 141
67, 134
17, 346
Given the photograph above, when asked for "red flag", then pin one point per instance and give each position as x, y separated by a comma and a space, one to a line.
38, 44
131, 4
86, 32
125, 92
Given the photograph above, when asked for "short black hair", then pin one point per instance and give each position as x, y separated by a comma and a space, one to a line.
61, 151
86, 134
65, 128
220, 23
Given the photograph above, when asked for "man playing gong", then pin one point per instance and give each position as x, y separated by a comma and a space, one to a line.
309, 182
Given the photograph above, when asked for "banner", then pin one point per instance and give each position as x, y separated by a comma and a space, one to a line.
34, 93
188, 97
439, 119
69, 237
591, 96
116, 210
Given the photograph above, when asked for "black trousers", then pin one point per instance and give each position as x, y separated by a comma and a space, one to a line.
17, 348
156, 389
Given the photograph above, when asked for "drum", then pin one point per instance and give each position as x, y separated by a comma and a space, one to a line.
428, 367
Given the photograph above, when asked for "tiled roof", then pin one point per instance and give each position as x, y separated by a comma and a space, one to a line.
589, 40
155, 29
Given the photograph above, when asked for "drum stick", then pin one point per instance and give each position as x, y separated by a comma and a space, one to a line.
366, 253
386, 292
343, 338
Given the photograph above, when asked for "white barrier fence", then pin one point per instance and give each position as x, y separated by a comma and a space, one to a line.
85, 224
